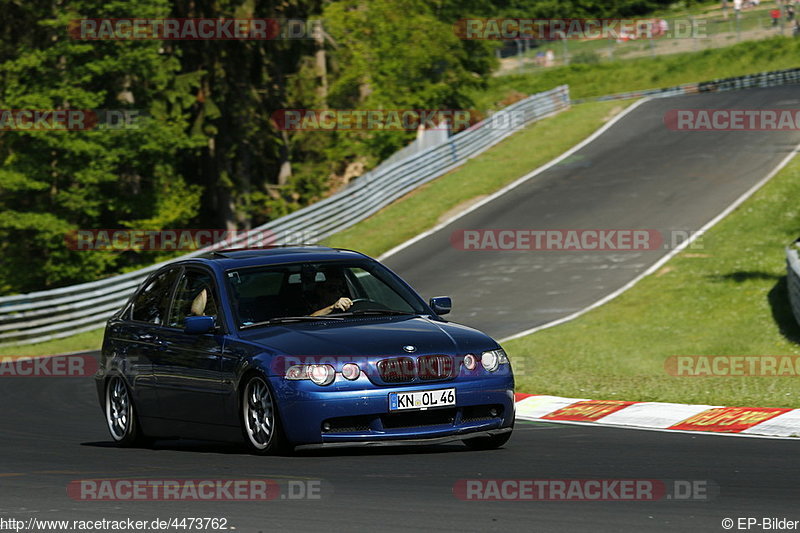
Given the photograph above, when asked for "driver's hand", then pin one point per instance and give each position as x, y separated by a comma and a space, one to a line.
343, 304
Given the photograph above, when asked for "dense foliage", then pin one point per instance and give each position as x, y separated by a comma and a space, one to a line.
207, 154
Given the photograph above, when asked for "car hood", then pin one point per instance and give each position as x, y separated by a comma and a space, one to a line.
370, 336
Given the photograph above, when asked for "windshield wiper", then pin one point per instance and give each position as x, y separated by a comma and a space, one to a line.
288, 319
374, 312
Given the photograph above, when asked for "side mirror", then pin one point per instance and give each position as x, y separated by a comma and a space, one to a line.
441, 305
198, 324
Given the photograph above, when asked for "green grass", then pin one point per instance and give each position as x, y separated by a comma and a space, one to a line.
726, 298
648, 72
483, 175
90, 340
699, 9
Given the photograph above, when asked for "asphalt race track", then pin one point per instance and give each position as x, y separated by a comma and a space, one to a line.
637, 175
53, 433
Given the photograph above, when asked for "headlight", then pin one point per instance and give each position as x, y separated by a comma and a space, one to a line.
351, 371
492, 359
470, 361
296, 372
320, 374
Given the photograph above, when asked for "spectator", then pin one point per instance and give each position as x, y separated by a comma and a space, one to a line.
549, 58
775, 14
789, 12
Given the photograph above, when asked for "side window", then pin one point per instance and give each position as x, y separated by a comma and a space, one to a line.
195, 297
152, 303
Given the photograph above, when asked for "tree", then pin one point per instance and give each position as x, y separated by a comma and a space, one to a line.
53, 182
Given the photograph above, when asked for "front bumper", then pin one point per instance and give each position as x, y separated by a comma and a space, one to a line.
406, 442
358, 412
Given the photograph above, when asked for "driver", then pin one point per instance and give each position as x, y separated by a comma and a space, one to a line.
331, 290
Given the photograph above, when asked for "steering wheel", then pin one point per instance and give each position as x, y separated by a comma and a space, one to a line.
360, 304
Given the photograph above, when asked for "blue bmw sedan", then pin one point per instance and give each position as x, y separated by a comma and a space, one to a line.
295, 347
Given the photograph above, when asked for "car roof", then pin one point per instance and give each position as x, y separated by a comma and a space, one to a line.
244, 257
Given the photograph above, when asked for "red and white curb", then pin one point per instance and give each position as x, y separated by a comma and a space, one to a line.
750, 421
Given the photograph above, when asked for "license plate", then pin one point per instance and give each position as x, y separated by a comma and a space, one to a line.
399, 401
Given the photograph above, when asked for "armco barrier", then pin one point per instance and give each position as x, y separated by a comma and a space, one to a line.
772, 78
56, 313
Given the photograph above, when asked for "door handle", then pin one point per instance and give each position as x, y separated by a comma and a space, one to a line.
154, 340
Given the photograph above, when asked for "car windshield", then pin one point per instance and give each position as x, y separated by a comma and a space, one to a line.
300, 292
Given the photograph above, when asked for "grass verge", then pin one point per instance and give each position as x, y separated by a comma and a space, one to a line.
517, 155
647, 73
726, 296
89, 340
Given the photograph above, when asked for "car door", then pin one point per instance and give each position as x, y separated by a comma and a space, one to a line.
137, 337
189, 373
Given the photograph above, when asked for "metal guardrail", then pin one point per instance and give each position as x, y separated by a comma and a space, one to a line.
772, 78
793, 280
62, 312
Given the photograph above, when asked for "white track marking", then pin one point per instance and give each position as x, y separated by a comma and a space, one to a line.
658, 264
516, 183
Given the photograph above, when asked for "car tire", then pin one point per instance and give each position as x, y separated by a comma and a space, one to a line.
121, 414
263, 434
488, 443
